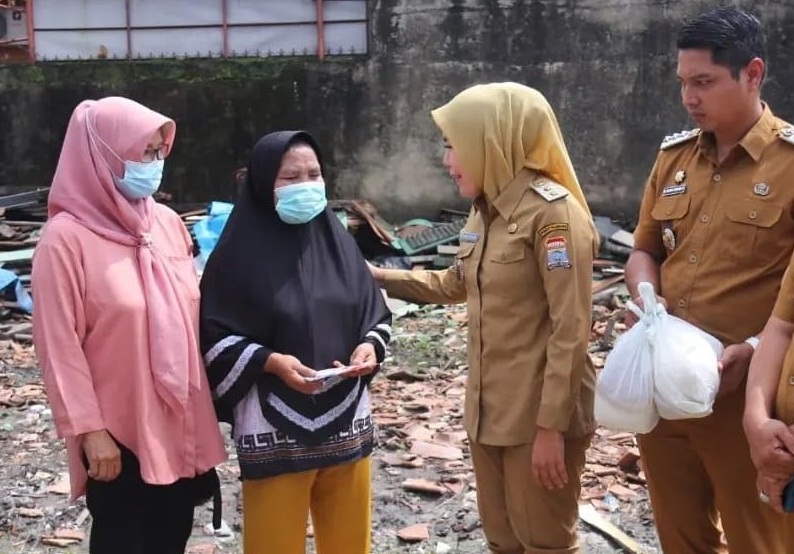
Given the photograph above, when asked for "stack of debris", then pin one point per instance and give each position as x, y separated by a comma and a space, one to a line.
415, 243
22, 216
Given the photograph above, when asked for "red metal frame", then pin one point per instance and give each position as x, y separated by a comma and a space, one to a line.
28, 44
225, 26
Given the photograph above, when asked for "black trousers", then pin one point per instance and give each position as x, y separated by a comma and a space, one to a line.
134, 517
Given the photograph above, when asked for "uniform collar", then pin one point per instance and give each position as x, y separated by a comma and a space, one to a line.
755, 140
507, 201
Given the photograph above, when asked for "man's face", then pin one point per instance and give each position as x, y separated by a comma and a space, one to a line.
713, 97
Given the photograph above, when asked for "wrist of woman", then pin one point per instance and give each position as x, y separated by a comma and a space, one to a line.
273, 363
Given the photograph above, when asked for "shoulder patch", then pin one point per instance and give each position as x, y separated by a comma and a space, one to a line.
787, 134
678, 138
549, 190
551, 227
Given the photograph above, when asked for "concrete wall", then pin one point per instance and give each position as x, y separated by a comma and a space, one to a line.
608, 68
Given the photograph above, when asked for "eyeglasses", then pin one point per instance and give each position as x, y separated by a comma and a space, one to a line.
152, 154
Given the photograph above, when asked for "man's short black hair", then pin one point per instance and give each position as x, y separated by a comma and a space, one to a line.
734, 37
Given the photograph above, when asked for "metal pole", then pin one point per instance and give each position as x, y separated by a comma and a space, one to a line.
320, 30
128, 20
225, 15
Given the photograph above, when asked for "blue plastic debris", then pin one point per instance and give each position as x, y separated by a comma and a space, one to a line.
208, 230
22, 297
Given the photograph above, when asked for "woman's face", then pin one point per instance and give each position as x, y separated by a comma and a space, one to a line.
466, 186
155, 147
298, 165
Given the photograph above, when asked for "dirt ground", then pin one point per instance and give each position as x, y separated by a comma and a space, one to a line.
422, 471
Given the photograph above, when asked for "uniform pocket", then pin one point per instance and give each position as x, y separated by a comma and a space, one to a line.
509, 254
670, 208
751, 228
671, 212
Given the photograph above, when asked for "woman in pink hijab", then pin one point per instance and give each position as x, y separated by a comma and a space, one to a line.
115, 330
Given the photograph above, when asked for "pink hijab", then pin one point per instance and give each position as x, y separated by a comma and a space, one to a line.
83, 189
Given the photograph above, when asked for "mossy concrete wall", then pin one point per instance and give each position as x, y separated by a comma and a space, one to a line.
608, 68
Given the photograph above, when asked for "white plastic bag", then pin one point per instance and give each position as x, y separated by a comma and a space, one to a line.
662, 367
624, 395
685, 369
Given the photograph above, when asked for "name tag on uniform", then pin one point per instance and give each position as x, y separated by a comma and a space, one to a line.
674, 190
469, 236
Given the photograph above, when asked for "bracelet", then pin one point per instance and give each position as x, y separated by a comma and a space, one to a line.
753, 341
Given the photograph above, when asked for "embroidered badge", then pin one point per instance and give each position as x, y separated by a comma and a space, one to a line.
761, 189
674, 190
469, 236
668, 238
550, 228
557, 253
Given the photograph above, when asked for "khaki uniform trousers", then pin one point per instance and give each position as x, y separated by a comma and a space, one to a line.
518, 515
702, 482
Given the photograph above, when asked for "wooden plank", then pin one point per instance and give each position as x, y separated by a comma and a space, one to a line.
604, 284
590, 516
17, 255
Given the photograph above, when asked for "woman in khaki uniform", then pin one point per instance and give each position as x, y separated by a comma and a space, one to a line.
769, 406
524, 268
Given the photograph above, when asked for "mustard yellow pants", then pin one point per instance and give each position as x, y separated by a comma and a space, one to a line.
276, 510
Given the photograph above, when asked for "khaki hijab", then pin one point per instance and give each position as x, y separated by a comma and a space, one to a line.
500, 128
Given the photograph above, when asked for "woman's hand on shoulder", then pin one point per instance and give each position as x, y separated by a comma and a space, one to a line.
290, 370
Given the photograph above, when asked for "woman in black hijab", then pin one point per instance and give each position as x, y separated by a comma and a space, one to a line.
285, 293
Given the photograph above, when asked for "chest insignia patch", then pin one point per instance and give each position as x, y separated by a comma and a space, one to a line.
761, 189
668, 238
674, 190
557, 253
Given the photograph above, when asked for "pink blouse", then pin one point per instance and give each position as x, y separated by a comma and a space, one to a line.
91, 338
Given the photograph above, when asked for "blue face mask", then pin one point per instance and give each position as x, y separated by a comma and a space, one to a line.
301, 202
141, 179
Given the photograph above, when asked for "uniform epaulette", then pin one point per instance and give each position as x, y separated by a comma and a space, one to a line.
787, 134
679, 138
549, 190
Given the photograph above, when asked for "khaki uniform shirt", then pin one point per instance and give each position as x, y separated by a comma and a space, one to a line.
524, 268
784, 309
723, 233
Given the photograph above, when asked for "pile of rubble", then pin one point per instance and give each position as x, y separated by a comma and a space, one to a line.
424, 490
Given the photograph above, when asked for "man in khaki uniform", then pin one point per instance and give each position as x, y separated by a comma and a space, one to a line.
714, 237
524, 269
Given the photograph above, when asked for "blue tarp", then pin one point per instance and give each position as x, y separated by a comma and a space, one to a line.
208, 230
22, 297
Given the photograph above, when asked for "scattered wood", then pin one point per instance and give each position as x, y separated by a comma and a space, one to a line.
589, 515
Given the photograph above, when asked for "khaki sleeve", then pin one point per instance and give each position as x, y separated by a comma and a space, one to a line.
784, 306
431, 287
565, 262
648, 234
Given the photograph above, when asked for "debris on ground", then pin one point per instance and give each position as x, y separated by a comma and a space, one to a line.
424, 492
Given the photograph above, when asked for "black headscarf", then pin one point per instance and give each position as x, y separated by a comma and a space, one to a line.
302, 290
